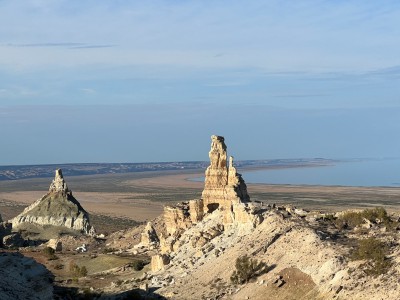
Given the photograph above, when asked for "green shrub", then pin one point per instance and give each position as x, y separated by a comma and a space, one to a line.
353, 219
59, 266
49, 253
77, 271
246, 268
374, 251
138, 265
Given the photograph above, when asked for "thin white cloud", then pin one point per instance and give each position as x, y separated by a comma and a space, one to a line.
300, 35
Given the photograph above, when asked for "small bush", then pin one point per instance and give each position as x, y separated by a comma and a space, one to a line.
59, 266
246, 268
77, 271
49, 253
138, 265
374, 251
353, 219
108, 250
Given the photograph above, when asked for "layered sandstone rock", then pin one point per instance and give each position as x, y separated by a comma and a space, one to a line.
224, 189
58, 208
177, 218
223, 186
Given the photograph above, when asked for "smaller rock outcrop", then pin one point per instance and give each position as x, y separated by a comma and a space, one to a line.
149, 237
5, 229
57, 208
158, 262
13, 240
55, 244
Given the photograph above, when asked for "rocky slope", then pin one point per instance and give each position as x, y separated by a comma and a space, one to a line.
305, 255
57, 208
23, 278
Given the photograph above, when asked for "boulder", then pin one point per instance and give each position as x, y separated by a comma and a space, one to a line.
13, 240
55, 244
158, 262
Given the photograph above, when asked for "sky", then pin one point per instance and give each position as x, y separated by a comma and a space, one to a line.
141, 81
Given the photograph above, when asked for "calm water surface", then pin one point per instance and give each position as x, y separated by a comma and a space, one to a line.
353, 173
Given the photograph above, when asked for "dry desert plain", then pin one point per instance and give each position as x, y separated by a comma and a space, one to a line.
118, 201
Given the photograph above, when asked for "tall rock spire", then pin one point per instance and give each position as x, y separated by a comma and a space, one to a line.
223, 185
58, 184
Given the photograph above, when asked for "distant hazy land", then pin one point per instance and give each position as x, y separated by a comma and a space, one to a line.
44, 171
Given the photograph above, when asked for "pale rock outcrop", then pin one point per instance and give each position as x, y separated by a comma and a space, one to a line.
223, 186
149, 237
58, 208
177, 218
58, 184
23, 278
224, 190
158, 262
56, 244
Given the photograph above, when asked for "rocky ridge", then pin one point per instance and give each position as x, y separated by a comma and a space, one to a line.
57, 208
204, 237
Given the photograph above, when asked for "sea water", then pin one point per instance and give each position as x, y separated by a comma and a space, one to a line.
371, 172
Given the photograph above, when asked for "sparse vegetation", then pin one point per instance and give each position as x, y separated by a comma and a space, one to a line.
77, 271
59, 266
49, 253
375, 215
246, 268
375, 252
108, 250
138, 265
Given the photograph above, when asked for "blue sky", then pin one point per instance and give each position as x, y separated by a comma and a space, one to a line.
132, 81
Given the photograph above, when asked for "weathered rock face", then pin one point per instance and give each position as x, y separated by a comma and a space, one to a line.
149, 236
177, 218
224, 189
58, 208
223, 185
55, 244
58, 184
159, 261
23, 278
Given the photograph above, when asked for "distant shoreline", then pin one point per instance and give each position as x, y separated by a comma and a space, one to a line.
81, 169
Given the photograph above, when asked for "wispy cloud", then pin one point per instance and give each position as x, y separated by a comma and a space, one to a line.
68, 45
